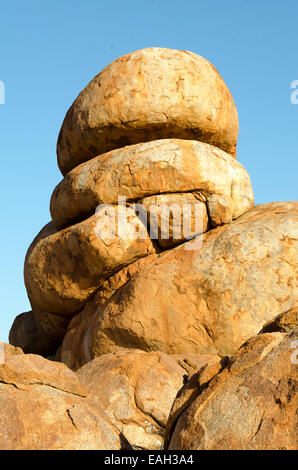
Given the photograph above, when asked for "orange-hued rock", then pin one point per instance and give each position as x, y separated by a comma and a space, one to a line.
149, 94
8, 350
208, 300
152, 168
41, 332
284, 322
26, 334
64, 268
75, 352
136, 390
164, 304
191, 389
113, 283
174, 218
250, 405
44, 407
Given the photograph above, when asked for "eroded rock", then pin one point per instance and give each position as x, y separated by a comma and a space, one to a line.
136, 390
150, 94
26, 334
44, 407
64, 268
250, 405
152, 168
208, 300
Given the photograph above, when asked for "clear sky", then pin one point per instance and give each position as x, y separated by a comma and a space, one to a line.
50, 50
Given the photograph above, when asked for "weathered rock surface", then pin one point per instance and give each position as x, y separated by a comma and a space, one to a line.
148, 329
163, 166
250, 405
174, 218
8, 350
136, 390
26, 334
208, 300
44, 407
150, 94
192, 388
75, 349
285, 322
42, 333
64, 268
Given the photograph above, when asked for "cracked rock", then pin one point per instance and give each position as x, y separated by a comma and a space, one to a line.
250, 405
136, 390
150, 94
44, 407
206, 301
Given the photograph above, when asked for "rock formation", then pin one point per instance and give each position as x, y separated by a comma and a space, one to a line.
162, 166
250, 405
154, 270
206, 301
44, 406
136, 389
148, 95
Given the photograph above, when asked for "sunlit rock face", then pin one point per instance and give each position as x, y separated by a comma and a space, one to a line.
155, 269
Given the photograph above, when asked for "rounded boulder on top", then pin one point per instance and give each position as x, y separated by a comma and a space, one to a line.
150, 94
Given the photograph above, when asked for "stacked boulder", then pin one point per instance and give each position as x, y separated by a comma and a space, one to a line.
155, 129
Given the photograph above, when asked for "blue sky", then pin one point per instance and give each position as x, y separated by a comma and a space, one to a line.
50, 50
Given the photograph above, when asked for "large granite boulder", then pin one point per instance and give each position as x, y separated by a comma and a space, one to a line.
152, 168
44, 407
250, 405
136, 390
62, 269
204, 301
26, 334
150, 94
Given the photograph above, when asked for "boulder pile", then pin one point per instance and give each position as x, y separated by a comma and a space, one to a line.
155, 269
